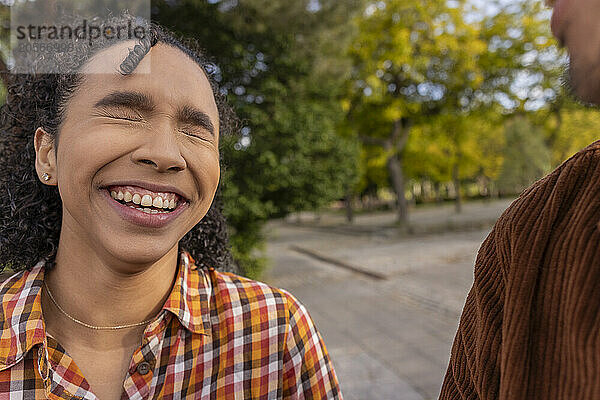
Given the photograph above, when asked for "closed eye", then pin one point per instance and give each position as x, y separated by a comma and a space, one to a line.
127, 119
124, 115
196, 132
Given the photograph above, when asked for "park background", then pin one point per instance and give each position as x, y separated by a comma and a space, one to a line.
378, 141
357, 106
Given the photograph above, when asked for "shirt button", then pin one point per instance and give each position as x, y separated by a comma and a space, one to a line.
143, 368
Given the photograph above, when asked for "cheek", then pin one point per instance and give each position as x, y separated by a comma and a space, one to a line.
88, 145
210, 169
81, 156
205, 167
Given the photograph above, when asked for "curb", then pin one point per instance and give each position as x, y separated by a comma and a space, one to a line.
336, 262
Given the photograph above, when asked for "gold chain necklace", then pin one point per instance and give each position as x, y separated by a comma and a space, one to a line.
105, 328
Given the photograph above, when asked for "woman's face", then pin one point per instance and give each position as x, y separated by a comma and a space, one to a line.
153, 137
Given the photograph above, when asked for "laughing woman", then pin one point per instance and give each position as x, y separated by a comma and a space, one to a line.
108, 181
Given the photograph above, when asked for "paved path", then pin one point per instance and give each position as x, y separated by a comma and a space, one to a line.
389, 338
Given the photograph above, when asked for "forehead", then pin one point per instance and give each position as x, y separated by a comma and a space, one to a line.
166, 74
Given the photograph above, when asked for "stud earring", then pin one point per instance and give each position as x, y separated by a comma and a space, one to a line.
45, 176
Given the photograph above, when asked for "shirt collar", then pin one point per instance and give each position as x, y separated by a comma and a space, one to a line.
22, 325
190, 298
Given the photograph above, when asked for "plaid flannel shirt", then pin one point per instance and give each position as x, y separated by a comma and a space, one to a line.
218, 336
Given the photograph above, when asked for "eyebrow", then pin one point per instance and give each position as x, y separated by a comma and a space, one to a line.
193, 116
133, 100
145, 103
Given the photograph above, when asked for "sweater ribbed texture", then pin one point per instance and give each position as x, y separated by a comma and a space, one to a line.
530, 327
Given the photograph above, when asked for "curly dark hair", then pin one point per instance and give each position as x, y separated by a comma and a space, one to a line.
31, 212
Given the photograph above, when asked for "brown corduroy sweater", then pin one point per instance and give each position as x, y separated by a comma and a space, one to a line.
530, 327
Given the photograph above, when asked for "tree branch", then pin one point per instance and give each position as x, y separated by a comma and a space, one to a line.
371, 140
400, 133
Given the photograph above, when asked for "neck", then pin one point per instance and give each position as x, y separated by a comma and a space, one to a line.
102, 291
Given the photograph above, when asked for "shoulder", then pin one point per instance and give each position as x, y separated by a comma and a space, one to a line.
232, 291
240, 304
5, 276
245, 290
546, 207
561, 185
272, 320
13, 290
19, 294
13, 284
21, 322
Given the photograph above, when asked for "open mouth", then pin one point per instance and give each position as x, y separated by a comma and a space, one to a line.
145, 200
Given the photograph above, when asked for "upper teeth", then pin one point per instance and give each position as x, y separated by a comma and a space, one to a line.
144, 200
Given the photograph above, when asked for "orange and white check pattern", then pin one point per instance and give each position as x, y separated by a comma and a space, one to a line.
218, 336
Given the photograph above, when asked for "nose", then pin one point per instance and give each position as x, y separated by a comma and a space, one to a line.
161, 150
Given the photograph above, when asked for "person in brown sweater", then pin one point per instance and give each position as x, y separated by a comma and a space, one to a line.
530, 327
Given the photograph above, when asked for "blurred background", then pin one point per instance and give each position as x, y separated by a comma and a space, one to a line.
378, 143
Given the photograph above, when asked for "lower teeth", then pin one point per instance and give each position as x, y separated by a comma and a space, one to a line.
149, 210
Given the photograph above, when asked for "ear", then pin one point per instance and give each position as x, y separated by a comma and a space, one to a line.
45, 155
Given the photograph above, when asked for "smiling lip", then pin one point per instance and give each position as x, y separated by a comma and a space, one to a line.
153, 187
141, 218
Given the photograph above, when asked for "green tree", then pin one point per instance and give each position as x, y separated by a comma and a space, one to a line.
413, 61
568, 127
523, 63
430, 152
447, 69
526, 156
282, 71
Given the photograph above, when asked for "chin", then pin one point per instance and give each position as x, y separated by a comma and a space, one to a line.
139, 255
584, 85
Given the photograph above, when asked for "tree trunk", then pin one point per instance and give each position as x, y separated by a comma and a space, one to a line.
394, 166
487, 187
393, 146
348, 207
413, 195
456, 182
438, 192
493, 190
